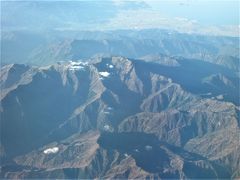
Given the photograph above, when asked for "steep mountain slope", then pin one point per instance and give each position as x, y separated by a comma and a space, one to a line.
119, 118
135, 156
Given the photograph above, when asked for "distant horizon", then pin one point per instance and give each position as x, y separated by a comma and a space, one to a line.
59, 31
185, 16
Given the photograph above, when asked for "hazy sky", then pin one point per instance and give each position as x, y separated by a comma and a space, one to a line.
191, 16
205, 12
201, 16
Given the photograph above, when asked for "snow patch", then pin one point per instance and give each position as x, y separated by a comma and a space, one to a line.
104, 73
220, 97
126, 155
109, 108
148, 148
75, 68
76, 65
110, 66
136, 150
107, 127
51, 150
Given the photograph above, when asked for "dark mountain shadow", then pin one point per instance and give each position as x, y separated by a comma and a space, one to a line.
152, 155
191, 74
128, 101
143, 147
44, 104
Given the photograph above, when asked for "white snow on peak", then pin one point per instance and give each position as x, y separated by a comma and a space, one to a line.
76, 65
76, 68
51, 150
104, 74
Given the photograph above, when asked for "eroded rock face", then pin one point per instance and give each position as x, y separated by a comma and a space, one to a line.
118, 118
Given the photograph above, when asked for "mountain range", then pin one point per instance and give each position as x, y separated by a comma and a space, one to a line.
155, 117
49, 47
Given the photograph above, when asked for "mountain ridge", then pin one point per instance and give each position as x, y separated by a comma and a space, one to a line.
116, 96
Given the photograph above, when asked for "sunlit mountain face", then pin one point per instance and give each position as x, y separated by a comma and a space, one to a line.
119, 90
